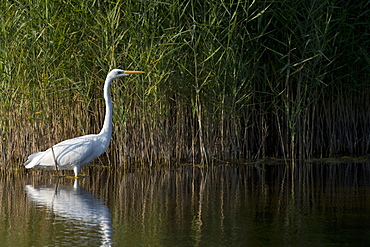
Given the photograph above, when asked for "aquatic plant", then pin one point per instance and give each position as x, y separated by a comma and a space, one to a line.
226, 80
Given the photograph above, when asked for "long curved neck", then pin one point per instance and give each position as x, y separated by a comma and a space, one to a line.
107, 126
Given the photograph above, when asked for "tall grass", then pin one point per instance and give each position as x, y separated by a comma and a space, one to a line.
226, 80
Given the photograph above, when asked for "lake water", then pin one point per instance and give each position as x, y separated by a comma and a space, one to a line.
261, 205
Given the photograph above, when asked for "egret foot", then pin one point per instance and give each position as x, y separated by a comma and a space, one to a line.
77, 177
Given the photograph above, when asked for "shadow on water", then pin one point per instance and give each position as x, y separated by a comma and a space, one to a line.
312, 205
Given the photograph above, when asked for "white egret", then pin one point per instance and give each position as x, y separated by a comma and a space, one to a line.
73, 154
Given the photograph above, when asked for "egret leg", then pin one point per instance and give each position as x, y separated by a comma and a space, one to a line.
76, 170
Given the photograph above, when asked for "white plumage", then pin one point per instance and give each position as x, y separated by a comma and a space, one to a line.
73, 154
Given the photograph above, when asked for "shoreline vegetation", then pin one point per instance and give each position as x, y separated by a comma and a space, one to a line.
229, 81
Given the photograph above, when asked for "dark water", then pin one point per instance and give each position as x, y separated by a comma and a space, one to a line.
264, 205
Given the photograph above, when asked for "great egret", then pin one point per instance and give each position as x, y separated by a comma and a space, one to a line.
73, 154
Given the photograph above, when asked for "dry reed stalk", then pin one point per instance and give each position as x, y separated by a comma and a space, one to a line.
226, 82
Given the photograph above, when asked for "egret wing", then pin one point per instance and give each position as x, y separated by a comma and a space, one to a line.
66, 154
33, 159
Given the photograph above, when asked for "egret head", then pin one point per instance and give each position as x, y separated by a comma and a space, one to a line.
115, 73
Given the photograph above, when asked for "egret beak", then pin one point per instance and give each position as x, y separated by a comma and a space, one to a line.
133, 72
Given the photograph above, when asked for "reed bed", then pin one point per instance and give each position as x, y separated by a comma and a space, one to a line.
229, 81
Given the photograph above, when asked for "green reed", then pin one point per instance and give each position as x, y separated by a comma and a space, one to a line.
225, 80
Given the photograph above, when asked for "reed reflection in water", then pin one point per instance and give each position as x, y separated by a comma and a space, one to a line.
311, 205
261, 205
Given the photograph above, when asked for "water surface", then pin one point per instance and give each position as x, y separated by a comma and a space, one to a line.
262, 205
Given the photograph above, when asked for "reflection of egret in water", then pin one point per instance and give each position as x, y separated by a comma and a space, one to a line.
77, 206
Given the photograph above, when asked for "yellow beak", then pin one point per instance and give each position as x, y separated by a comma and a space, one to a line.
133, 72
